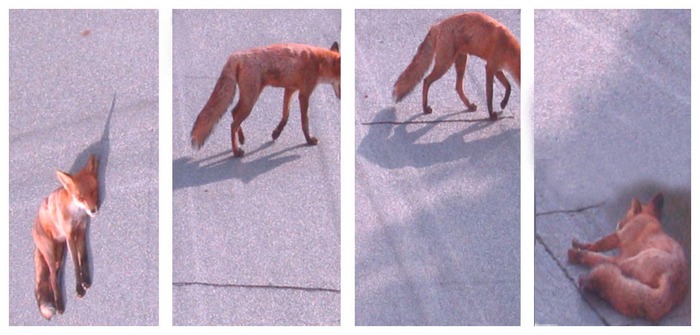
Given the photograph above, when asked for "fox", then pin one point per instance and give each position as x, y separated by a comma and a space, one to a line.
62, 220
649, 274
294, 67
451, 41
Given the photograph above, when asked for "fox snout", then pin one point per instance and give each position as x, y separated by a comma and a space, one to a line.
91, 212
89, 208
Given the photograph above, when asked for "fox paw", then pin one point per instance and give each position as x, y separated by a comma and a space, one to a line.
576, 244
575, 256
493, 116
80, 290
275, 134
427, 110
312, 141
504, 103
471, 107
238, 153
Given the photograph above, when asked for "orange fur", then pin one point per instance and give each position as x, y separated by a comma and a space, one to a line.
295, 67
62, 220
648, 276
451, 41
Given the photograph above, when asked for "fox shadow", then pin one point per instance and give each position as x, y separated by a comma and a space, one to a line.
392, 145
189, 172
100, 149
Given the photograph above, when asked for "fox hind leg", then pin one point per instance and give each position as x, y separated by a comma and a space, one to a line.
460, 68
490, 73
504, 81
285, 113
235, 133
240, 112
241, 137
439, 70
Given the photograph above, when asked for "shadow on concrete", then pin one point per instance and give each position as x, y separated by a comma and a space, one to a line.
188, 172
462, 254
390, 145
100, 149
621, 131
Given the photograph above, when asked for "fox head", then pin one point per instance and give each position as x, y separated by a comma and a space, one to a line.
652, 208
82, 186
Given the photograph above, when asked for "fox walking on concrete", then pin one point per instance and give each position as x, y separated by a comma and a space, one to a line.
451, 41
62, 221
295, 67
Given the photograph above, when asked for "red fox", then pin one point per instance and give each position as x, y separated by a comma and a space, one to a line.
292, 66
452, 40
648, 276
62, 220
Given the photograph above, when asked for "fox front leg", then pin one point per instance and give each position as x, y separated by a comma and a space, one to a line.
304, 105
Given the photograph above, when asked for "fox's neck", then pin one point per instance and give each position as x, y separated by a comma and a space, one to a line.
75, 209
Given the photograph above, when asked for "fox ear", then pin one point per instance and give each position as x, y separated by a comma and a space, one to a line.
335, 47
657, 203
635, 207
65, 179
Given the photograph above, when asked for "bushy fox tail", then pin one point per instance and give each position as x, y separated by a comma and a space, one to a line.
419, 65
42, 289
220, 99
632, 297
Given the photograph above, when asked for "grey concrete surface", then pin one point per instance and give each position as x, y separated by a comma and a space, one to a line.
611, 122
86, 82
256, 240
437, 196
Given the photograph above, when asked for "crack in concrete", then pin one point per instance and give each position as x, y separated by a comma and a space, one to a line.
555, 259
562, 267
570, 211
252, 286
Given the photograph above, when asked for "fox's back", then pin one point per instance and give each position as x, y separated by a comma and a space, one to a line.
650, 253
478, 34
286, 65
645, 232
56, 211
53, 210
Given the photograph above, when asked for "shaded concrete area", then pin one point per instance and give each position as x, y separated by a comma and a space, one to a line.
437, 196
611, 122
